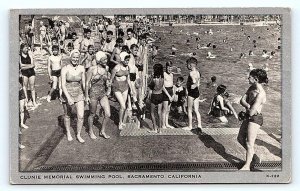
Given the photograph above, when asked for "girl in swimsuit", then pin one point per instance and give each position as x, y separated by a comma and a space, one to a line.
88, 57
27, 70
156, 96
22, 106
120, 83
97, 78
252, 101
54, 70
73, 86
193, 87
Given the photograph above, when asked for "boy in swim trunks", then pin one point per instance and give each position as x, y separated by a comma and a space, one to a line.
193, 89
86, 41
180, 96
168, 95
54, 69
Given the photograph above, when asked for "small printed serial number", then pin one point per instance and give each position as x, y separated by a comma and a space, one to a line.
272, 175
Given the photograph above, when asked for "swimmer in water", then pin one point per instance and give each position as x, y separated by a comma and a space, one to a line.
266, 67
173, 48
210, 55
210, 32
251, 53
250, 67
242, 55
264, 54
173, 54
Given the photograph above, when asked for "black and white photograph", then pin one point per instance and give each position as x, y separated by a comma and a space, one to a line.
150, 96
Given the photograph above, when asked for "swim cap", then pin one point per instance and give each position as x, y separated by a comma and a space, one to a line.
74, 51
123, 55
99, 55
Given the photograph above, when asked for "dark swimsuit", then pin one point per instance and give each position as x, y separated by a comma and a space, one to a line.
132, 76
56, 73
258, 119
216, 110
194, 93
156, 98
170, 91
27, 72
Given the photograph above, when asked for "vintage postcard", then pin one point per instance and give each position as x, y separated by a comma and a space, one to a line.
135, 96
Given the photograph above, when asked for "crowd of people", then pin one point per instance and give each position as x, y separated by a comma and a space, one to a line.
115, 69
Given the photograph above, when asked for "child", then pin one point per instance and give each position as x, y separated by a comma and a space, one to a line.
193, 89
54, 69
23, 99
217, 106
156, 96
168, 92
180, 96
154, 52
212, 83
88, 58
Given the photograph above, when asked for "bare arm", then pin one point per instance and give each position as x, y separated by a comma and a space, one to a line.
49, 67
84, 58
113, 73
88, 81
25, 66
166, 92
244, 103
83, 78
229, 105
83, 49
113, 56
221, 100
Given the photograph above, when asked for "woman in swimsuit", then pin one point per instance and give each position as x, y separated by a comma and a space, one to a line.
27, 70
193, 89
252, 101
120, 85
73, 86
97, 78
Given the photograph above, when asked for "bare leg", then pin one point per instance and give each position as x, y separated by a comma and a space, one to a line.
153, 118
122, 101
196, 108
31, 83
22, 105
167, 116
164, 114
106, 107
93, 109
160, 118
67, 121
252, 134
54, 86
80, 113
190, 102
